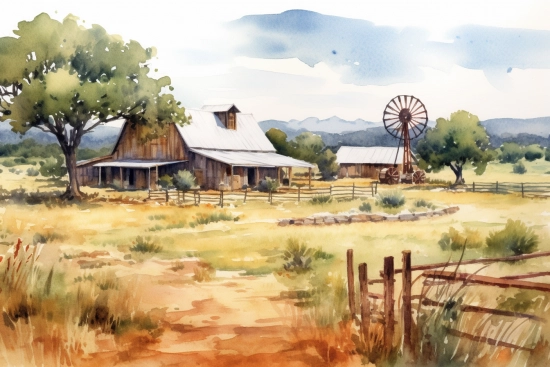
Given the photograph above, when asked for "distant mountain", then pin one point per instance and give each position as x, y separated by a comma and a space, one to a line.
333, 125
537, 126
101, 136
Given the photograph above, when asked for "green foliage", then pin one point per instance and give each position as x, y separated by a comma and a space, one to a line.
421, 203
365, 207
86, 153
278, 139
183, 180
515, 239
76, 75
455, 142
308, 147
455, 241
213, 217
165, 182
390, 198
268, 185
519, 168
533, 152
510, 153
33, 172
547, 154
9, 163
28, 148
327, 164
320, 199
299, 256
144, 244
53, 167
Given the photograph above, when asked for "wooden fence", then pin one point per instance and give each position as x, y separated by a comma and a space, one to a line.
530, 189
287, 194
386, 315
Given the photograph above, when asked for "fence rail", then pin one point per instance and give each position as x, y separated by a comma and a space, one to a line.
287, 194
433, 278
541, 189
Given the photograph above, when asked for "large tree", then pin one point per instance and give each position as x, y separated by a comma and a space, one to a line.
65, 79
453, 143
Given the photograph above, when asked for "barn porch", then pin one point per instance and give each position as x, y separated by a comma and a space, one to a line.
231, 170
135, 174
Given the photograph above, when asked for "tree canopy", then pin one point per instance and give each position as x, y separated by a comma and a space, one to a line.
453, 143
65, 80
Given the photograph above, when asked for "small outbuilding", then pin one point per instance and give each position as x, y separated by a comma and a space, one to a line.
367, 161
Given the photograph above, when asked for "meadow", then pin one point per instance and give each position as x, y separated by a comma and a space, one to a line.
124, 279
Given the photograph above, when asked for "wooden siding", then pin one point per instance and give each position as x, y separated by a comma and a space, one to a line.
363, 170
167, 147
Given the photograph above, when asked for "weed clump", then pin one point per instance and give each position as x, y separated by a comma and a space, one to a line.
145, 245
390, 199
209, 218
454, 240
321, 199
421, 203
299, 256
365, 207
515, 239
519, 168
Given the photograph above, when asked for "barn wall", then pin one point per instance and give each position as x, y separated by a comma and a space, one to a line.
167, 147
353, 170
87, 175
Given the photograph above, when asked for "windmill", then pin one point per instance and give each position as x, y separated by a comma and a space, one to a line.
405, 118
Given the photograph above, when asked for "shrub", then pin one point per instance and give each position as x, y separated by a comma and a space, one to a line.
9, 163
144, 244
547, 154
454, 240
365, 207
214, 217
421, 203
53, 167
32, 172
328, 167
321, 199
165, 182
519, 168
510, 153
183, 180
533, 152
515, 239
203, 272
390, 198
268, 185
299, 256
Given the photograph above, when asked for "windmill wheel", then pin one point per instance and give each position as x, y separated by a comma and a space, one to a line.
419, 177
405, 113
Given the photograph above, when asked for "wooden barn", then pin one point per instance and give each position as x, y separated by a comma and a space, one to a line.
367, 161
225, 149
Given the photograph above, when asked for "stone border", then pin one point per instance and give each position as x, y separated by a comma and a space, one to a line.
361, 218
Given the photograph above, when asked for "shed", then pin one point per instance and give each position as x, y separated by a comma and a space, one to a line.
367, 161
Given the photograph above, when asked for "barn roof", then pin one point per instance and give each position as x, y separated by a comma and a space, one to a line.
252, 159
206, 131
369, 155
136, 163
219, 107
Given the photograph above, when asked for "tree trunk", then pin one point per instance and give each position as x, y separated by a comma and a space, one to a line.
457, 170
73, 189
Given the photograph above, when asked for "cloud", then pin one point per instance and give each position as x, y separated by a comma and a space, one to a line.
366, 54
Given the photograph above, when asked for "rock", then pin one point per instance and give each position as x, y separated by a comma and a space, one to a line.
308, 222
407, 217
451, 210
127, 256
392, 218
377, 218
329, 220
284, 222
298, 222
341, 219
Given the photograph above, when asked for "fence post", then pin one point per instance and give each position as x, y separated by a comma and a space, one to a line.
497, 188
365, 304
372, 189
221, 198
406, 310
245, 192
389, 326
522, 192
376, 188
474, 187
298, 193
149, 196
198, 192
353, 191
330, 192
351, 284
167, 197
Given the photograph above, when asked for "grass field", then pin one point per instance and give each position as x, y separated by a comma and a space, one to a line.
245, 240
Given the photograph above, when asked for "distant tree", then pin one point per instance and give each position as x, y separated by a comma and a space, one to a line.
547, 154
533, 152
453, 143
308, 147
510, 153
279, 140
327, 164
65, 79
519, 168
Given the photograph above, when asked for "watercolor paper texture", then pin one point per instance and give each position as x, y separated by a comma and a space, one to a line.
275, 183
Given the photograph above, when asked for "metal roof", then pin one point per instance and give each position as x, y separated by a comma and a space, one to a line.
218, 107
135, 163
369, 155
206, 131
252, 159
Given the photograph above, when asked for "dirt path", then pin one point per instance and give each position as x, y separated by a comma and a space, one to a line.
232, 320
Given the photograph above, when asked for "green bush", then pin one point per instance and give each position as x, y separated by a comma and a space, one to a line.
268, 185
533, 152
321, 199
33, 172
214, 217
515, 239
454, 240
421, 203
365, 207
547, 154
328, 167
519, 168
299, 256
9, 163
53, 167
390, 199
165, 182
510, 153
183, 180
144, 244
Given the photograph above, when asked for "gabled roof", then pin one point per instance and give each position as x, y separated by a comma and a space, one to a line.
206, 131
369, 155
252, 159
219, 107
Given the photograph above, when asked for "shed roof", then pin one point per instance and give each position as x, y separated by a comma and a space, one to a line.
206, 131
369, 155
219, 107
135, 163
252, 159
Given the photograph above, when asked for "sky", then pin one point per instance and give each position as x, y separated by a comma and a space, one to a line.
296, 59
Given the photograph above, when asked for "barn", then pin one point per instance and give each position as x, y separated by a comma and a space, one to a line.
224, 148
367, 161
